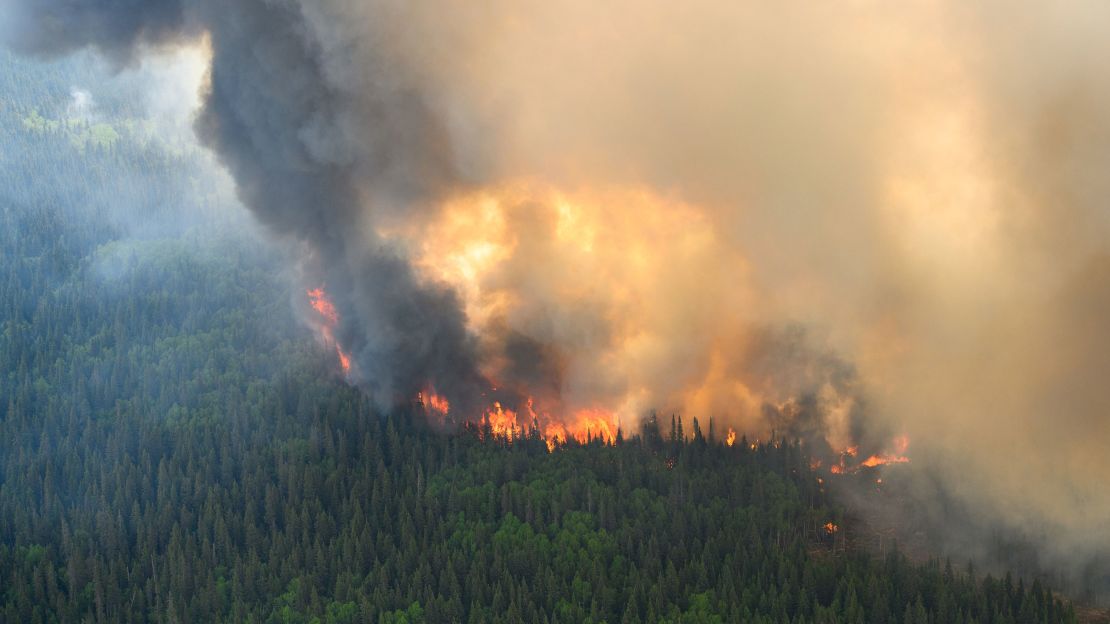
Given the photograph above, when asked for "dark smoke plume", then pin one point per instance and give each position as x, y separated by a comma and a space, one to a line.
305, 149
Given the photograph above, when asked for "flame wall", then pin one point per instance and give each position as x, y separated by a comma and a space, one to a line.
846, 221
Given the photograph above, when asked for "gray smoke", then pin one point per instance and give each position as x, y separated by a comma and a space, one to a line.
316, 155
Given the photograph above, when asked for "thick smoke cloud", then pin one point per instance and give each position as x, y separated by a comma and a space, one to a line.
304, 140
633, 204
116, 29
302, 146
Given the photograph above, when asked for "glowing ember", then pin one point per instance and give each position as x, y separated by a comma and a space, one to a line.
327, 322
831, 528
730, 439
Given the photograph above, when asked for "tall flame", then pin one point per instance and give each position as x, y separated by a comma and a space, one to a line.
504, 422
516, 254
589, 353
328, 320
434, 404
501, 421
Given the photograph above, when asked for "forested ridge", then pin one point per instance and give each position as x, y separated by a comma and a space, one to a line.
174, 447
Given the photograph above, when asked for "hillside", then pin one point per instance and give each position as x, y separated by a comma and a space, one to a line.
175, 447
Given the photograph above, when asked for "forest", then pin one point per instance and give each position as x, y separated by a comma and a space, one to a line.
176, 447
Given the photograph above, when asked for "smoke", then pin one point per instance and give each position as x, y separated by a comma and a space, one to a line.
860, 221
319, 144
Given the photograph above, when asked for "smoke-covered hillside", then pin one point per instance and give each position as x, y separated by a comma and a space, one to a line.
877, 228
176, 447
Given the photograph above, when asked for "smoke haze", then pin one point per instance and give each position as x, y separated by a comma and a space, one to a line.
892, 218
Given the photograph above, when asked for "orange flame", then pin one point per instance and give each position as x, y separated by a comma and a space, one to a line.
897, 456
329, 319
439, 404
504, 422
593, 424
433, 403
882, 460
831, 528
554, 434
319, 301
901, 443
730, 438
501, 421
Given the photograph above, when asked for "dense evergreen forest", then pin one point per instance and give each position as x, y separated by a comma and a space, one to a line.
174, 447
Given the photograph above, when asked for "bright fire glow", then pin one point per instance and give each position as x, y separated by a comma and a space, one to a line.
897, 456
582, 425
554, 435
501, 421
326, 322
518, 253
589, 424
847, 464
880, 460
434, 403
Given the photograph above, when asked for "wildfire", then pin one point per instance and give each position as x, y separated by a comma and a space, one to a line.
515, 254
730, 438
848, 464
898, 456
590, 424
433, 403
501, 421
882, 460
327, 322
554, 435
831, 528
583, 425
